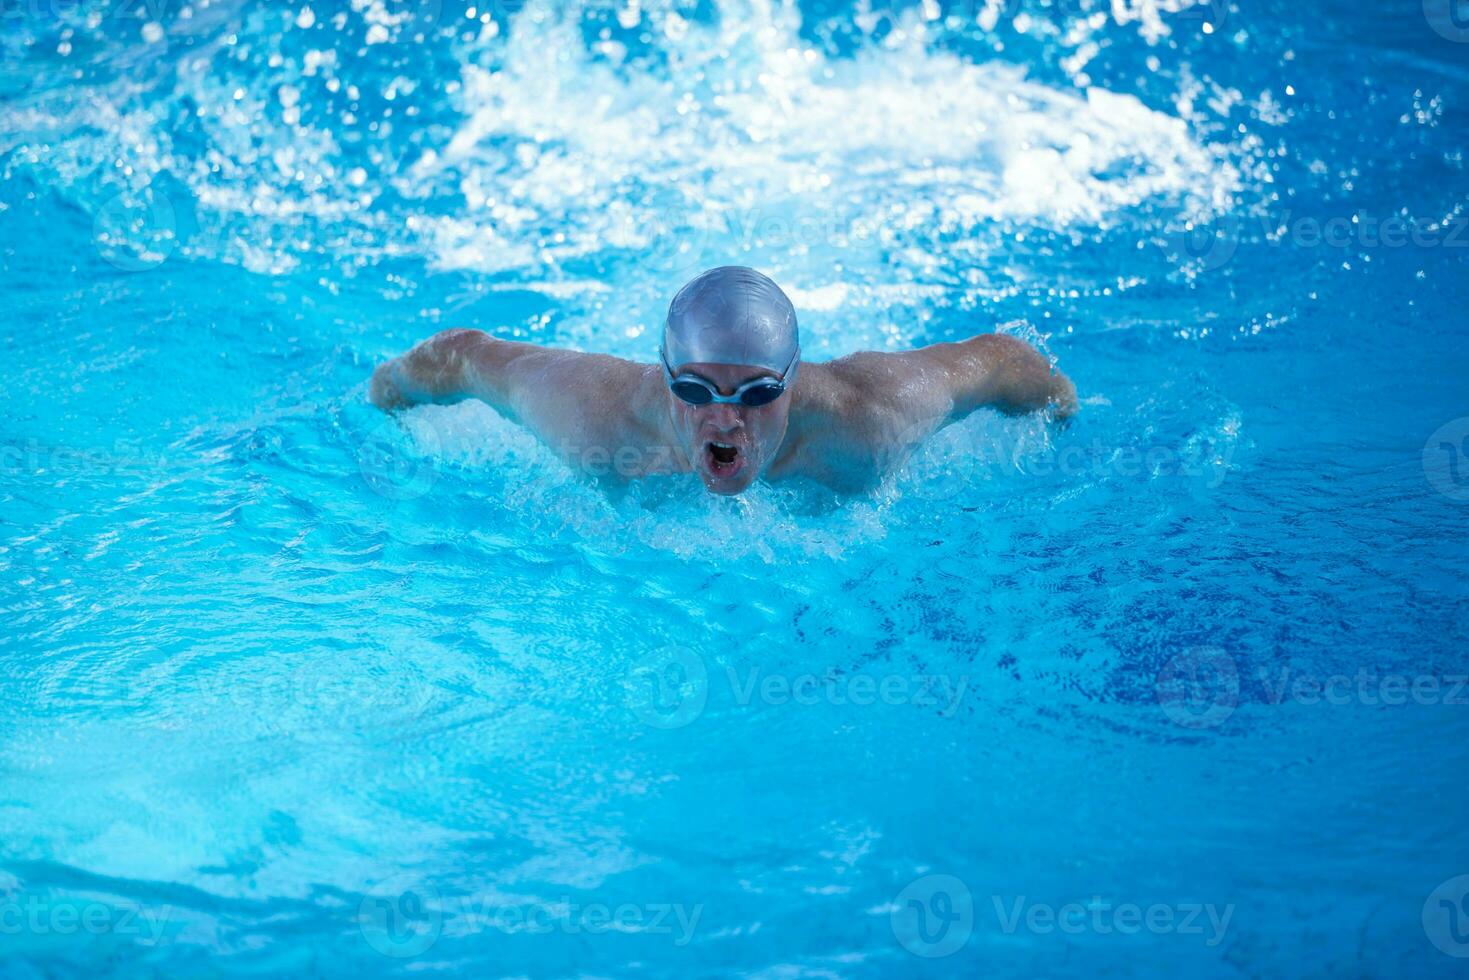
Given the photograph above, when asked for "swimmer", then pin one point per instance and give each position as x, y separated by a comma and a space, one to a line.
730, 398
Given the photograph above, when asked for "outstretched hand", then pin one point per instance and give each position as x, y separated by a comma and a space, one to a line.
383, 390
1063, 399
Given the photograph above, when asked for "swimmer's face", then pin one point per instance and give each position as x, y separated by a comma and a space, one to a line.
729, 445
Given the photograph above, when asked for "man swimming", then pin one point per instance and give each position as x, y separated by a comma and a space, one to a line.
731, 399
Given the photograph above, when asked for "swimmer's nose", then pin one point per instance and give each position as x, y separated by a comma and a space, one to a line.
725, 418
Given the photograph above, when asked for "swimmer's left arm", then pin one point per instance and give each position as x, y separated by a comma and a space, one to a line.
1001, 372
898, 398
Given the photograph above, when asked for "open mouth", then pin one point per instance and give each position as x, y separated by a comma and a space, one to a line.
723, 459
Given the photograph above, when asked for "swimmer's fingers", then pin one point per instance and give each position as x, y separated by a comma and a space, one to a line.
383, 391
1062, 399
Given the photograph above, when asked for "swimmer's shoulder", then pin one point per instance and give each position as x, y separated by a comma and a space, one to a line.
853, 420
868, 396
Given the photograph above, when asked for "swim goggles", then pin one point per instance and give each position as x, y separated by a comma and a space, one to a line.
753, 393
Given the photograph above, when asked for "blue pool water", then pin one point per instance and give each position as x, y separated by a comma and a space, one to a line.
294, 690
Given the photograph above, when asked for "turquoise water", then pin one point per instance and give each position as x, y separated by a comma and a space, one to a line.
292, 689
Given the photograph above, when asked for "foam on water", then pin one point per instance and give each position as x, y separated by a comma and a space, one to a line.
580, 156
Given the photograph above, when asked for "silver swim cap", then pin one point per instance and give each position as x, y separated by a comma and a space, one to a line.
731, 315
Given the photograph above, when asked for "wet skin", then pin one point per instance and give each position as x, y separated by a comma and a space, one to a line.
844, 424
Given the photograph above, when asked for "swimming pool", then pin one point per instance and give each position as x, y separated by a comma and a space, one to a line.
294, 689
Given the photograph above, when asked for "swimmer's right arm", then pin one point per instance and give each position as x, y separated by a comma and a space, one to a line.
565, 397
449, 367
